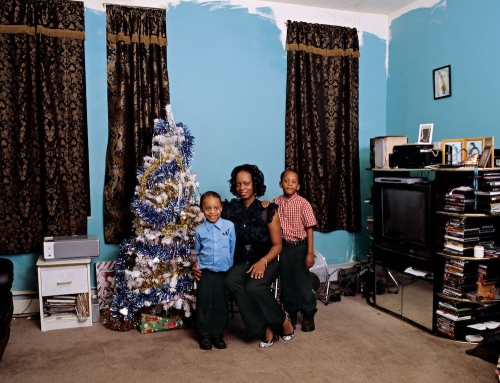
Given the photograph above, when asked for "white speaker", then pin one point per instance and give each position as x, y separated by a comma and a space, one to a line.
70, 246
384, 146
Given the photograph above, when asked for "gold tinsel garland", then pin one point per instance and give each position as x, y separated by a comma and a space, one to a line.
168, 230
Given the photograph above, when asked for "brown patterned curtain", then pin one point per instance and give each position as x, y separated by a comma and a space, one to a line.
138, 92
44, 189
322, 121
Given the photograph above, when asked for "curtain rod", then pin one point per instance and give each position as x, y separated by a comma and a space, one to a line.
132, 6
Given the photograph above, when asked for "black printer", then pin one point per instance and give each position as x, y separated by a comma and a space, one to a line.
412, 156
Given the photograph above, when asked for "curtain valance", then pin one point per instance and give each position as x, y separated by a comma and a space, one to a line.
32, 31
135, 38
323, 52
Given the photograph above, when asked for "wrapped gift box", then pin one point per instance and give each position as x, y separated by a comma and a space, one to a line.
153, 322
116, 323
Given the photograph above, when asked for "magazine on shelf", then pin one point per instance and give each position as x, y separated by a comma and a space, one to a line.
490, 325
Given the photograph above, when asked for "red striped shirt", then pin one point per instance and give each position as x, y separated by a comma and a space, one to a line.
296, 215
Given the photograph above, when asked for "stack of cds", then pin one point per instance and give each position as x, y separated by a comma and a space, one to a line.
488, 273
460, 277
461, 235
488, 196
460, 200
452, 317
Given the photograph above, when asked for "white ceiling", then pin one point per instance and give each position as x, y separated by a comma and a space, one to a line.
383, 7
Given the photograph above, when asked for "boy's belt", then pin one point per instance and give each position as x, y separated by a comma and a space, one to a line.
295, 243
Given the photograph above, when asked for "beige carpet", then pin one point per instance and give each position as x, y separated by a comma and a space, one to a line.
353, 342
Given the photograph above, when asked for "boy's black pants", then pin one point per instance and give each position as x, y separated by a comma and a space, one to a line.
212, 314
295, 281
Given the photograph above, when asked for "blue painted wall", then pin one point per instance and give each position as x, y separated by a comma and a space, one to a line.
459, 33
227, 71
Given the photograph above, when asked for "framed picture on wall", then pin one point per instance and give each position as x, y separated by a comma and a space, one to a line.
425, 133
441, 78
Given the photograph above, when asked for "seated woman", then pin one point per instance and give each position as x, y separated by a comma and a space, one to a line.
258, 244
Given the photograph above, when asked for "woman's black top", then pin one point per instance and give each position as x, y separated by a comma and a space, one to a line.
252, 235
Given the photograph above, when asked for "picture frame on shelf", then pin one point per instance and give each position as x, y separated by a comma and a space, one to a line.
456, 152
425, 133
490, 141
473, 146
441, 78
485, 157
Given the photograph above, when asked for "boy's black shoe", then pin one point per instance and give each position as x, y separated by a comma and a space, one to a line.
308, 324
219, 342
205, 343
293, 319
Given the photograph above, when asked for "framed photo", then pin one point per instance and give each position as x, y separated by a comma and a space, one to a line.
456, 150
474, 146
490, 141
425, 133
485, 157
441, 78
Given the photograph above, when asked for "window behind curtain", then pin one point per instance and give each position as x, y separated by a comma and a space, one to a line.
44, 189
138, 92
321, 122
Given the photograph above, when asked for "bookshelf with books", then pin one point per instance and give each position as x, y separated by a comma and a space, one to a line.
467, 281
466, 298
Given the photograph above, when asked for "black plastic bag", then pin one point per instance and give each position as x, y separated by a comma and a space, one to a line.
488, 349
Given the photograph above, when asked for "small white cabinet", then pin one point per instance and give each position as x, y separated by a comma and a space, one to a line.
64, 277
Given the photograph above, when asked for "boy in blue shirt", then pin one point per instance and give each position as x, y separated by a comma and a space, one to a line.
215, 240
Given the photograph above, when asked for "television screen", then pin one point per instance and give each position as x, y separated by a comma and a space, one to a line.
404, 216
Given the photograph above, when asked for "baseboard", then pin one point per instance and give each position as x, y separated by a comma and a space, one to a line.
26, 302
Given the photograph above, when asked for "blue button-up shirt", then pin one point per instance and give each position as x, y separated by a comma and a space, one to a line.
215, 243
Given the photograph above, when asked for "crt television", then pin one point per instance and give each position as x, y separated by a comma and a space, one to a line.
404, 215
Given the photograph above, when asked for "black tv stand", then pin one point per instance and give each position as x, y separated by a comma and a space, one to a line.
404, 286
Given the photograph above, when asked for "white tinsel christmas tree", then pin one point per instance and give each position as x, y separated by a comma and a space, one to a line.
154, 268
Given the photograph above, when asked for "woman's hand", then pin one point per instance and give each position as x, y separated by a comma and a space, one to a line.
265, 203
196, 271
258, 269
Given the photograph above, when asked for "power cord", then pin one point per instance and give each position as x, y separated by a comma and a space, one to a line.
27, 307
